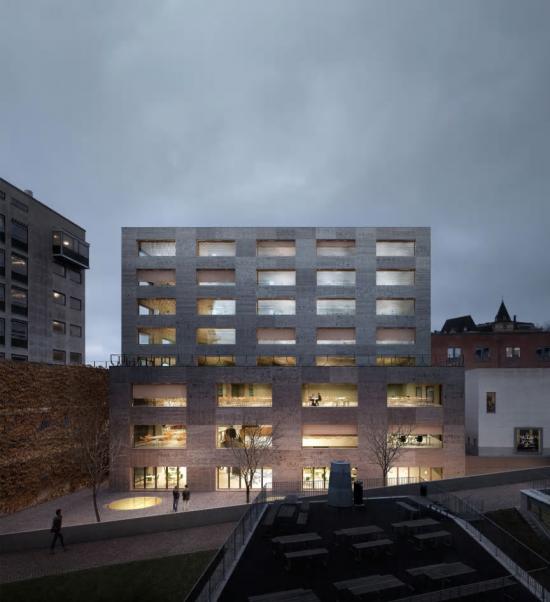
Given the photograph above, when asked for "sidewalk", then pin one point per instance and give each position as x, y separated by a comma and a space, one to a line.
78, 508
18, 566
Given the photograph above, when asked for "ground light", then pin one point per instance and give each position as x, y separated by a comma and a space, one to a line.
134, 503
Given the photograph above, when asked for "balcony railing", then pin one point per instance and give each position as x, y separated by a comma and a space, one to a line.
397, 361
70, 249
412, 401
251, 401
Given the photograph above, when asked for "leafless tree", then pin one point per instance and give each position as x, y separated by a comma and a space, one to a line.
386, 441
252, 448
89, 425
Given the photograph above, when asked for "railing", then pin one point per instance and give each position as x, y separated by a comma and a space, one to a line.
221, 566
142, 359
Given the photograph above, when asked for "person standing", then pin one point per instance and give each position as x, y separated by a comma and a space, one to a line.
176, 495
56, 530
185, 497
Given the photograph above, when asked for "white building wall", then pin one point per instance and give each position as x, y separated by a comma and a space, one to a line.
522, 401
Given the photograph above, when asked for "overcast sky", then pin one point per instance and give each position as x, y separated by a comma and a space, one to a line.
290, 112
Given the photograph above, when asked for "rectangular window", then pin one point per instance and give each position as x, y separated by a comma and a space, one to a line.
395, 336
229, 477
335, 360
276, 360
512, 352
454, 353
276, 278
395, 307
419, 441
19, 235
2, 227
156, 248
157, 336
75, 276
19, 334
413, 395
19, 205
19, 301
19, 268
395, 360
275, 248
2, 262
395, 277
482, 354
58, 298
216, 277
491, 402
316, 477
76, 331
75, 303
329, 395
2, 297
395, 248
216, 248
543, 353
528, 440
160, 477
216, 360
59, 269
215, 336
160, 396
276, 336
329, 435
335, 277
244, 394
276, 307
156, 361
2, 331
75, 357
58, 355
216, 307
335, 248
19, 358
157, 307
256, 436
160, 436
156, 277
335, 307
336, 336
58, 327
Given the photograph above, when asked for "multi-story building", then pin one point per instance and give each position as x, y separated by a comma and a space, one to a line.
43, 256
309, 332
507, 380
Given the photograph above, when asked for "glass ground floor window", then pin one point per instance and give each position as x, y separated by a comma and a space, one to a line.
159, 477
407, 474
230, 477
317, 477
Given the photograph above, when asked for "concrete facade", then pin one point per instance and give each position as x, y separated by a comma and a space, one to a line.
521, 403
32, 270
373, 365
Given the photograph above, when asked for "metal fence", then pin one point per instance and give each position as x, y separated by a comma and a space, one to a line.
213, 579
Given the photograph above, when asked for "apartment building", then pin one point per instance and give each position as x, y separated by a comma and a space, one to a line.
311, 332
43, 258
507, 380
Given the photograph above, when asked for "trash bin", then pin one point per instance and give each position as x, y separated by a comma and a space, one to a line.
423, 489
358, 493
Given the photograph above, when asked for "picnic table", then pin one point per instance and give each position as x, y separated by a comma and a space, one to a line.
412, 526
433, 537
371, 584
289, 595
307, 555
442, 571
371, 547
298, 540
358, 532
411, 511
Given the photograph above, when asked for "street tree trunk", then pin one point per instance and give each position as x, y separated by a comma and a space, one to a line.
96, 509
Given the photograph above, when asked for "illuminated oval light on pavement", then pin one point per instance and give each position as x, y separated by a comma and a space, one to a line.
134, 503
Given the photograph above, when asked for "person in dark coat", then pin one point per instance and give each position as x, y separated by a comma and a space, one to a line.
56, 530
185, 497
176, 495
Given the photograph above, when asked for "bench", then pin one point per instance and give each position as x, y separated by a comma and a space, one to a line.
302, 519
434, 538
309, 556
409, 511
372, 548
290, 595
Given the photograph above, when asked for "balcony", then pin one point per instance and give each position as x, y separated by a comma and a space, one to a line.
244, 395
329, 395
413, 395
70, 250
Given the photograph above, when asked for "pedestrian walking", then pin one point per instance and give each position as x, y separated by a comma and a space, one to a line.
56, 530
185, 497
176, 495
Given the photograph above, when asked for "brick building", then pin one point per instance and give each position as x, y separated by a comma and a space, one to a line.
314, 330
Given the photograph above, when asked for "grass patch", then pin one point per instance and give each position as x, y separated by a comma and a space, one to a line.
166, 579
512, 521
